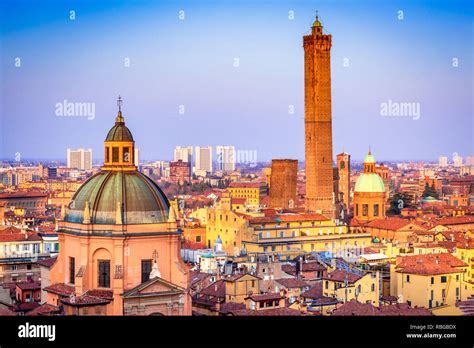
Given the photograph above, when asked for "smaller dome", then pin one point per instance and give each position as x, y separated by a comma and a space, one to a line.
369, 182
317, 23
119, 132
369, 158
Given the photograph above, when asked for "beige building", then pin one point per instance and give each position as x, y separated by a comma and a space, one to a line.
431, 281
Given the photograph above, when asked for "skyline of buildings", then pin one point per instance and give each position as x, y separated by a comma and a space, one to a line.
209, 234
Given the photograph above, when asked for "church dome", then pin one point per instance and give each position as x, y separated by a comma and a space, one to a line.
119, 132
369, 182
369, 158
119, 193
141, 201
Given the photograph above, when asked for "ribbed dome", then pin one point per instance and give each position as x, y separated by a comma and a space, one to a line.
369, 158
142, 200
369, 182
119, 132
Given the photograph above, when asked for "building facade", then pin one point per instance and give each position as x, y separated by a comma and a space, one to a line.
225, 158
203, 159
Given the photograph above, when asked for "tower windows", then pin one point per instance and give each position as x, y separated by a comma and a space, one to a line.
115, 154
365, 209
126, 154
376, 210
107, 159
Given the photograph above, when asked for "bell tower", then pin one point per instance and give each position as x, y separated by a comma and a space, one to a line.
318, 121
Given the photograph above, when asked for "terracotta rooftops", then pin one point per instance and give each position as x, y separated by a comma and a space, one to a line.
245, 184
60, 289
13, 234
392, 223
456, 220
47, 262
367, 309
44, 309
311, 266
291, 283
266, 297
341, 276
84, 300
430, 264
216, 289
287, 218
29, 285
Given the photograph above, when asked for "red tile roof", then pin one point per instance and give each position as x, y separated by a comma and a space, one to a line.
235, 184
216, 289
44, 309
29, 285
367, 309
392, 223
266, 297
100, 293
84, 300
229, 307
291, 283
282, 311
340, 276
47, 262
6, 312
287, 218
60, 289
315, 292
22, 194
13, 234
430, 264
456, 220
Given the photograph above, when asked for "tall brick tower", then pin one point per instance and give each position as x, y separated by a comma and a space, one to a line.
283, 183
318, 121
344, 171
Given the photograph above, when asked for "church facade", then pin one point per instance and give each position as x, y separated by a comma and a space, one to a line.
119, 242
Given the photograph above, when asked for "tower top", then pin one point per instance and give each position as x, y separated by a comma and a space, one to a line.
119, 118
316, 22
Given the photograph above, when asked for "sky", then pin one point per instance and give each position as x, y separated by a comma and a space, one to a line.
232, 73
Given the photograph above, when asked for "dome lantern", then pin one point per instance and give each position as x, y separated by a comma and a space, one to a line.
119, 146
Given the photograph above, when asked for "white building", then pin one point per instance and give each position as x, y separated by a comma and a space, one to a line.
470, 161
457, 161
79, 159
225, 158
136, 157
184, 154
203, 158
443, 161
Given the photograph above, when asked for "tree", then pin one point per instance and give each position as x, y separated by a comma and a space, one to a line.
430, 191
398, 202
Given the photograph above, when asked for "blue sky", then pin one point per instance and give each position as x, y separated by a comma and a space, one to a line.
190, 62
